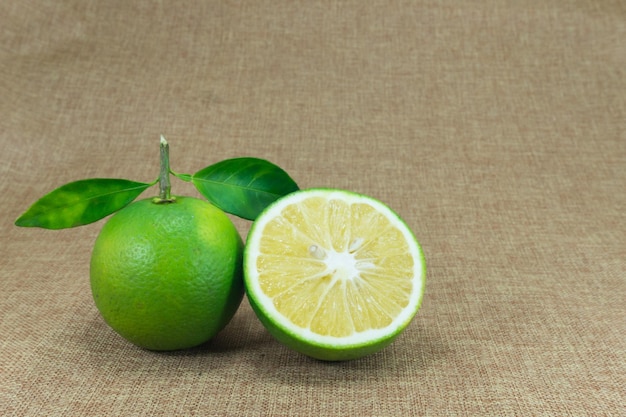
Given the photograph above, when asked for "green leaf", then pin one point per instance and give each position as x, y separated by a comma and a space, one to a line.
81, 202
243, 186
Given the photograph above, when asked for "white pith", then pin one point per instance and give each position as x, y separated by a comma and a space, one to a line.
339, 266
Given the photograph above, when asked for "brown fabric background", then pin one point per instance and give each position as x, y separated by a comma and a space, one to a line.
497, 129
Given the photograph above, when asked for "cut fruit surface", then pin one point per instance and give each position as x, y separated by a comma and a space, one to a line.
333, 274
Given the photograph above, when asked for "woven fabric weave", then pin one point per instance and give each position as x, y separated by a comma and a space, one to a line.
496, 129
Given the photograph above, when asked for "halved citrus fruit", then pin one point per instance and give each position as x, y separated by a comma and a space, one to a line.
333, 274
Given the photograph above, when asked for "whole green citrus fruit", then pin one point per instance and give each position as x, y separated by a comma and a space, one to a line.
167, 276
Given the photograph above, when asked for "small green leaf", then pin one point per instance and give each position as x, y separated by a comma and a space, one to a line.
243, 186
81, 202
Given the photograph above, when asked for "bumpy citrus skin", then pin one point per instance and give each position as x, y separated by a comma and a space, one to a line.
167, 276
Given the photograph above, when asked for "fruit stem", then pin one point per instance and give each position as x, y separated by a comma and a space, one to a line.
164, 176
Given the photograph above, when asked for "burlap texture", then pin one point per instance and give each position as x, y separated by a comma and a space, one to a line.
496, 129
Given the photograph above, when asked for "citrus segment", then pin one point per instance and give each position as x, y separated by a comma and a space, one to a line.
332, 273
